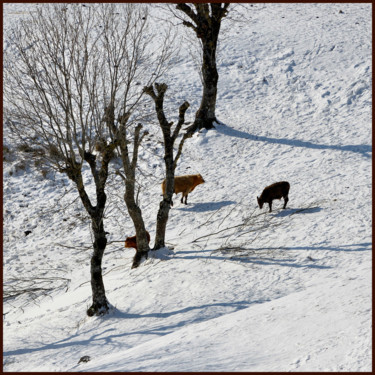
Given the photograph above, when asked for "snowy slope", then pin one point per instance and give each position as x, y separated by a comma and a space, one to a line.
240, 289
317, 338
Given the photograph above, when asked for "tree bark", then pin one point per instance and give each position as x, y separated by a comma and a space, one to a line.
99, 300
140, 230
100, 304
129, 196
205, 116
165, 204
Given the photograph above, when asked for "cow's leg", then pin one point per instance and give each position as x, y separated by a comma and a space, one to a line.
286, 199
270, 204
186, 198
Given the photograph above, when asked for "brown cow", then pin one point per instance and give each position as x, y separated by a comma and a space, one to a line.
132, 241
185, 185
277, 190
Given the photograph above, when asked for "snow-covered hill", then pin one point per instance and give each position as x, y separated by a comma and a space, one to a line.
239, 289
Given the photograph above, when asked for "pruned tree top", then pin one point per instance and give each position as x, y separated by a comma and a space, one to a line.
204, 17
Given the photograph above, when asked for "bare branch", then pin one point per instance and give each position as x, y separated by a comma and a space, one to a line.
181, 119
188, 11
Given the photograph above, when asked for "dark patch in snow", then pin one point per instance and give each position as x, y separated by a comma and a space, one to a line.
84, 359
288, 212
290, 69
208, 206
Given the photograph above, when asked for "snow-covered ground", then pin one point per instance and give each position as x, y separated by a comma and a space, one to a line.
239, 289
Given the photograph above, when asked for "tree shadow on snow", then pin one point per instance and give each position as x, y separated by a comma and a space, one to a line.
269, 256
365, 246
262, 257
107, 335
207, 206
239, 305
255, 256
364, 150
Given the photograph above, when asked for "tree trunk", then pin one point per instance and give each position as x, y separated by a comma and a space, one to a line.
136, 216
129, 196
165, 204
99, 301
100, 304
205, 116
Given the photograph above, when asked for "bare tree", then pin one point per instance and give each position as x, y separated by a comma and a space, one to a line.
122, 110
130, 166
170, 135
205, 20
73, 66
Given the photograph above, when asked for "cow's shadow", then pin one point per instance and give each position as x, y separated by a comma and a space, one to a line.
292, 211
206, 206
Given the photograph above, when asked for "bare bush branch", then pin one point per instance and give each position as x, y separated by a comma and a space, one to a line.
33, 287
